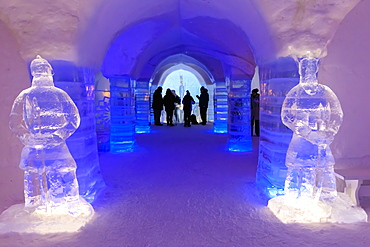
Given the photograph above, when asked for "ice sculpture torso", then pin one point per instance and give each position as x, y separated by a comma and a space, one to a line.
313, 112
43, 117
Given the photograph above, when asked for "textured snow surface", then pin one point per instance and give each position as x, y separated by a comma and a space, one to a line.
182, 188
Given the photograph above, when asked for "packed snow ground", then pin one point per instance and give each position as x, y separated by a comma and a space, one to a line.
182, 188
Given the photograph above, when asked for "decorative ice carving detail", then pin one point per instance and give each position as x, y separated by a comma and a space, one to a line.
313, 112
43, 117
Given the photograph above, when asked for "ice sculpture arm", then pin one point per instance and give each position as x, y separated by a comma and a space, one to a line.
16, 121
328, 123
72, 117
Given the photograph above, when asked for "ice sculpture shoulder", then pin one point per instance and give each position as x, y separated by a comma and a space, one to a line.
43, 117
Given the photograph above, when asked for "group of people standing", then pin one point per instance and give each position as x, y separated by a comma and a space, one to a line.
171, 100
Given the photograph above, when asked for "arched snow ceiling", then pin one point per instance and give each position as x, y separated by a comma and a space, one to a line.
187, 63
139, 49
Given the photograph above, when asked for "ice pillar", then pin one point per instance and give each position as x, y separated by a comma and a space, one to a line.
102, 109
78, 82
142, 107
220, 107
122, 135
240, 139
276, 79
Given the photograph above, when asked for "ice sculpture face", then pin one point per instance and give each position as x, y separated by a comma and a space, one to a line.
43, 117
313, 112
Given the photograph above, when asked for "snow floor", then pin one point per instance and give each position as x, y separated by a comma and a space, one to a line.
182, 188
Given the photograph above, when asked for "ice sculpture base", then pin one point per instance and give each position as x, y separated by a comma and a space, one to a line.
341, 210
18, 219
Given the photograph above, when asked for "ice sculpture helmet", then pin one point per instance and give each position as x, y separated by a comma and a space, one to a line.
41, 67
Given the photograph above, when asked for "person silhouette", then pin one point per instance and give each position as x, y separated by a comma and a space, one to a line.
187, 101
43, 117
169, 105
157, 105
313, 112
203, 104
255, 112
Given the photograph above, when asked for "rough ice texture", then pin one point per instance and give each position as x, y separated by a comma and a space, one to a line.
18, 219
182, 188
298, 26
294, 25
34, 28
345, 71
13, 79
341, 210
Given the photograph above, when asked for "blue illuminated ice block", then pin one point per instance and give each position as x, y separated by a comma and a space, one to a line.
102, 112
276, 79
122, 135
78, 82
240, 139
142, 99
220, 108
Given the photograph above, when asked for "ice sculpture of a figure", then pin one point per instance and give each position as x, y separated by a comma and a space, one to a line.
313, 112
43, 117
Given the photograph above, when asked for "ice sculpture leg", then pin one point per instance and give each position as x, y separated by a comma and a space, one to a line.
301, 175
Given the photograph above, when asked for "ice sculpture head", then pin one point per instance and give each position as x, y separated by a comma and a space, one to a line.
41, 67
42, 72
308, 68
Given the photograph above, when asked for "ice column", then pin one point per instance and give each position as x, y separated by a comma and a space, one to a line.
78, 82
102, 112
276, 79
122, 135
240, 139
220, 107
152, 90
142, 107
